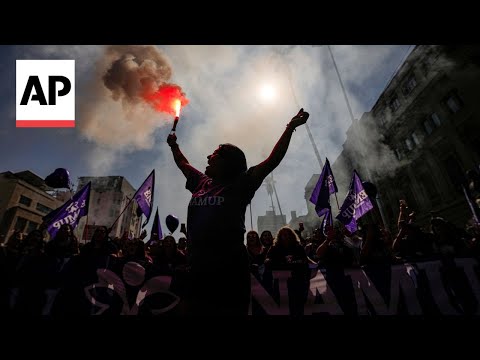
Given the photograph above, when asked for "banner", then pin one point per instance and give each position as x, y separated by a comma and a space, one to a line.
71, 212
113, 286
144, 197
325, 186
356, 204
327, 221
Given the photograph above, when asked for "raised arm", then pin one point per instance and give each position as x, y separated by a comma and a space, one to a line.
178, 156
261, 171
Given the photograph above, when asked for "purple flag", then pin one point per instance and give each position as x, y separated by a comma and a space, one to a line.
327, 221
325, 186
156, 227
356, 204
144, 196
70, 212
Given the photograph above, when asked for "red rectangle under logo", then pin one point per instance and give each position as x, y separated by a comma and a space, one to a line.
45, 123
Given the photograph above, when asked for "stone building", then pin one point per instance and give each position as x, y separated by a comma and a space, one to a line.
421, 136
108, 197
24, 200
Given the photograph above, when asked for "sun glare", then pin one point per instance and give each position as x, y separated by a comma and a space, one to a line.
267, 92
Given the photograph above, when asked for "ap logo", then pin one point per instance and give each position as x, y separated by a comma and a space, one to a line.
45, 93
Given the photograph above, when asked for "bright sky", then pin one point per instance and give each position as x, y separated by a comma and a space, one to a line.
243, 95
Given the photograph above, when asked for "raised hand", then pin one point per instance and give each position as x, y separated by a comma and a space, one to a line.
299, 119
172, 139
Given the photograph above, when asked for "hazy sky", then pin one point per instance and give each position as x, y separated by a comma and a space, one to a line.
226, 86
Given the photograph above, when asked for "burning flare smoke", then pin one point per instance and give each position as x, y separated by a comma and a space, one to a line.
132, 86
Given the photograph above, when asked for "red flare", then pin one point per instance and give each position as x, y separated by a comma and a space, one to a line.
177, 106
169, 99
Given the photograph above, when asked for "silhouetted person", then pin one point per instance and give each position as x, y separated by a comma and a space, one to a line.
266, 238
216, 222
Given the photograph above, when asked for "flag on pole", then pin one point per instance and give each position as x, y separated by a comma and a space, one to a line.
69, 213
325, 186
144, 196
156, 227
327, 221
356, 204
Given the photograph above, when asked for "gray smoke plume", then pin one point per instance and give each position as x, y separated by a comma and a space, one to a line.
135, 71
112, 111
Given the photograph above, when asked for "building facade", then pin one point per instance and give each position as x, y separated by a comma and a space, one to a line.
24, 200
421, 136
109, 195
271, 222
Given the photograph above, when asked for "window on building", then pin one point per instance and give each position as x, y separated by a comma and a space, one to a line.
428, 125
410, 84
409, 144
25, 200
42, 208
398, 154
394, 103
31, 226
415, 138
453, 103
98, 201
436, 119
20, 223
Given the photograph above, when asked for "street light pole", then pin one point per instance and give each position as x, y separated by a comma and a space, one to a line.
315, 150
341, 84
355, 125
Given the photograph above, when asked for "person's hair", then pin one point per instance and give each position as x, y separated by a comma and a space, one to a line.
264, 232
235, 159
59, 234
97, 230
257, 238
290, 233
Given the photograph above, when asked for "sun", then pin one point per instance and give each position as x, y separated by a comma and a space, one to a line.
267, 92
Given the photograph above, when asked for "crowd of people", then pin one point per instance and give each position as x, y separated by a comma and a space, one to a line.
212, 264
29, 265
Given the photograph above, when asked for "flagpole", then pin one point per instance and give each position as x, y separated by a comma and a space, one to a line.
315, 150
251, 219
337, 201
354, 125
85, 229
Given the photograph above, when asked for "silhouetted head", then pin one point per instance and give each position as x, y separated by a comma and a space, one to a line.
182, 243
169, 242
65, 231
286, 237
100, 234
266, 238
253, 240
226, 162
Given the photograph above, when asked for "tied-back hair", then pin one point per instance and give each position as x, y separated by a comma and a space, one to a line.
235, 159
291, 235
